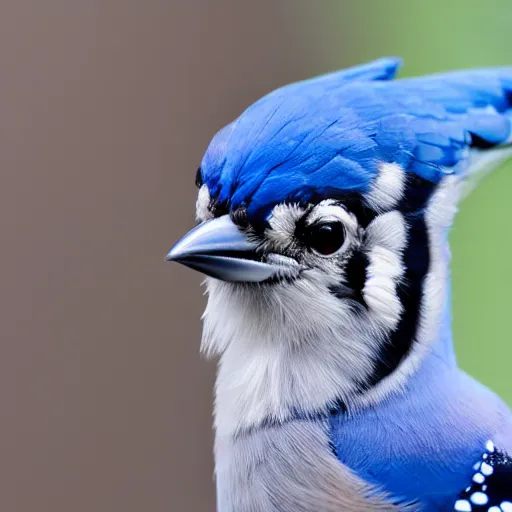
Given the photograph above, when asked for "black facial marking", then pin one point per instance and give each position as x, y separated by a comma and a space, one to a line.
416, 195
342, 291
356, 205
352, 201
240, 218
416, 260
218, 208
199, 178
356, 278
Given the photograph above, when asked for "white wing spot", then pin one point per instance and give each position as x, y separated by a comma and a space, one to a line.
479, 498
486, 469
476, 494
479, 478
463, 506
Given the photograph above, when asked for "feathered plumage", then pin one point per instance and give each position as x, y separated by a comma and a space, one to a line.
326, 136
323, 218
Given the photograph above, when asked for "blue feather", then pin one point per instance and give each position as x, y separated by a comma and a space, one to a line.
419, 450
329, 136
333, 132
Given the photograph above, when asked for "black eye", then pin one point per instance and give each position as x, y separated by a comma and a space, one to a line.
324, 237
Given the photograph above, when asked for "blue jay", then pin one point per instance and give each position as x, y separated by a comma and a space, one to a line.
323, 216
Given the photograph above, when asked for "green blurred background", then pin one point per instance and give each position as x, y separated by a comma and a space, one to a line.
106, 109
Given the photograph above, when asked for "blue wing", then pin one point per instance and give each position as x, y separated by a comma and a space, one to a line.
491, 485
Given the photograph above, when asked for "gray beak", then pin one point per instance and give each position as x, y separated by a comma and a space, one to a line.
219, 249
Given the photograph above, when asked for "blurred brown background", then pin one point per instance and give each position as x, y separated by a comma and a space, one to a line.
106, 108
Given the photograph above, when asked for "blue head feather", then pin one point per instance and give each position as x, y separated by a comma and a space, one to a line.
328, 136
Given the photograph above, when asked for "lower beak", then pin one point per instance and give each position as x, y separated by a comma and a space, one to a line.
219, 249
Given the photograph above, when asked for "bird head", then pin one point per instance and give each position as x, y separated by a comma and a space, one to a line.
323, 213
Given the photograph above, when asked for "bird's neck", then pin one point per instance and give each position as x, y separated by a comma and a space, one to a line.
262, 382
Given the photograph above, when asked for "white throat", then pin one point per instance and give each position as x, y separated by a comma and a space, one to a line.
280, 353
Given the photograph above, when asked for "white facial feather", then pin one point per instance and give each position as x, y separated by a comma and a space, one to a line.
330, 211
293, 345
439, 217
388, 188
379, 291
203, 212
387, 237
282, 225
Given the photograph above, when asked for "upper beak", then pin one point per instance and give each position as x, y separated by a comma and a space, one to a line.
219, 249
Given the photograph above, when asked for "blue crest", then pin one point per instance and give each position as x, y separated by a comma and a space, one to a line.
328, 136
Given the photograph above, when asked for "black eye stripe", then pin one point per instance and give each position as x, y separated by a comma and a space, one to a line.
355, 279
416, 195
